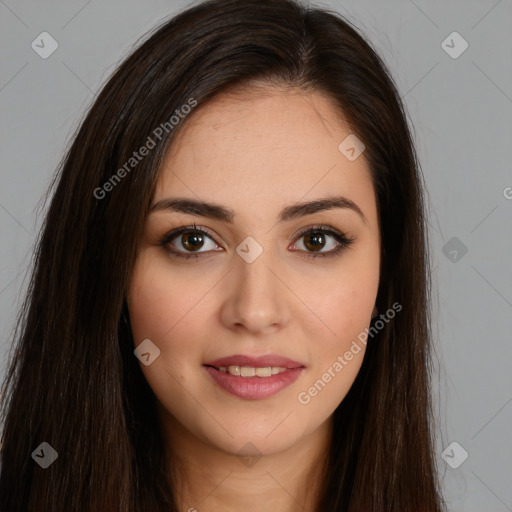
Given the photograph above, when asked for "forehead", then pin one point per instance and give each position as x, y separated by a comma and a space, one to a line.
269, 146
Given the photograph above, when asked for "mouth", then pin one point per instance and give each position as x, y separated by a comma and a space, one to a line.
251, 371
253, 378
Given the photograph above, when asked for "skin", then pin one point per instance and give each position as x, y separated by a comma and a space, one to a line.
255, 152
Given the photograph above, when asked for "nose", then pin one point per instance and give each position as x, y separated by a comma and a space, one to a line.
255, 299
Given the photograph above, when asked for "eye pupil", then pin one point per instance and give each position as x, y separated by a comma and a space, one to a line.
314, 241
192, 241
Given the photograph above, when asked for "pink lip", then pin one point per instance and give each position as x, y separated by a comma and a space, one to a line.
255, 362
254, 388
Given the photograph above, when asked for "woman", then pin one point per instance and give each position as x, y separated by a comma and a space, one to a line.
230, 304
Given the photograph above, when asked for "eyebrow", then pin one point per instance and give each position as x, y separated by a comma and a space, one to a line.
215, 211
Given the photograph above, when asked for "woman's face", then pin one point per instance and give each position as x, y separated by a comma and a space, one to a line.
245, 167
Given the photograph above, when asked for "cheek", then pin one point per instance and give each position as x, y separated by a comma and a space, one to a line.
345, 313
160, 301
338, 354
343, 301
162, 312
343, 306
164, 308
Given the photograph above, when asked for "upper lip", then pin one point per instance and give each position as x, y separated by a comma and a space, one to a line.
255, 362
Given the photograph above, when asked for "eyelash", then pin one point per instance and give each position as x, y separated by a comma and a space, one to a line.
343, 241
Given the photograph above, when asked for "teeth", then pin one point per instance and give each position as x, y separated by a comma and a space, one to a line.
264, 372
234, 370
248, 371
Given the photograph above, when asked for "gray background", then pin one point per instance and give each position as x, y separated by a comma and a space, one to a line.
461, 110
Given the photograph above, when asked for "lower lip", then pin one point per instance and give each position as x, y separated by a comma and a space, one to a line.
254, 388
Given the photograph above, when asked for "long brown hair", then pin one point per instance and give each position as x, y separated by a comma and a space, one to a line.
74, 382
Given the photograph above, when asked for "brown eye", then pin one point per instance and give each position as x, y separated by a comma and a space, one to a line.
314, 242
317, 241
192, 241
189, 241
321, 241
